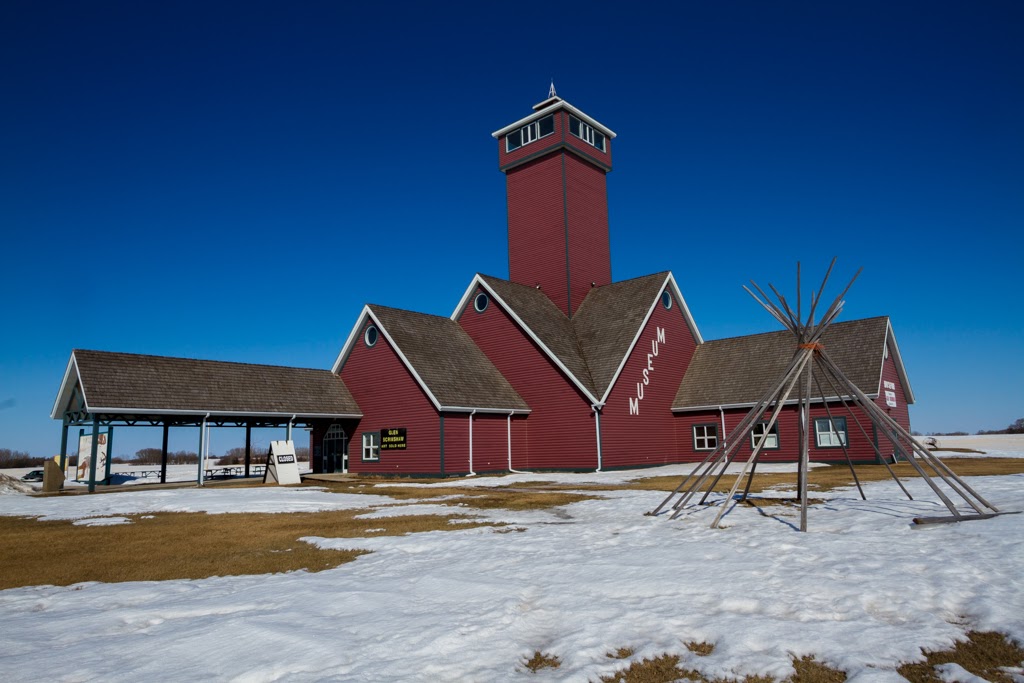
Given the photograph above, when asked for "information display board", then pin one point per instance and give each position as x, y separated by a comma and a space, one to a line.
282, 465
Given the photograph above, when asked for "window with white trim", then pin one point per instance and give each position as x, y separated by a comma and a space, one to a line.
705, 437
761, 431
371, 446
535, 130
584, 131
830, 433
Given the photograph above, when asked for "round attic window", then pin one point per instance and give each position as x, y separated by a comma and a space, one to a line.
666, 299
370, 336
480, 302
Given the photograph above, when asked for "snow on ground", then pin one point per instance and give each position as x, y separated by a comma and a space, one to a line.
994, 445
863, 590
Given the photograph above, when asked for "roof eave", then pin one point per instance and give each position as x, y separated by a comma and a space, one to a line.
561, 104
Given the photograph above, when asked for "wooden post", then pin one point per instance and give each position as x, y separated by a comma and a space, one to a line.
95, 448
64, 446
248, 447
163, 457
110, 453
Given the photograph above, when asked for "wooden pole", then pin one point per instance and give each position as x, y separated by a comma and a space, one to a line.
163, 457
732, 492
846, 451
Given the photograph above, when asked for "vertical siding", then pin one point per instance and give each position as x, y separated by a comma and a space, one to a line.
648, 437
389, 396
588, 242
559, 432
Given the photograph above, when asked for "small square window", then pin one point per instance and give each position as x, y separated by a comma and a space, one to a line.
830, 433
761, 431
705, 437
371, 446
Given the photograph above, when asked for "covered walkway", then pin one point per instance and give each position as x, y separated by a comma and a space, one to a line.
103, 389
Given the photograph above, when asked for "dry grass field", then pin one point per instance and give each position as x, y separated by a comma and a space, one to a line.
165, 546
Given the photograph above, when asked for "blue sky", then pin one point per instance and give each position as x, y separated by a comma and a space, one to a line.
234, 181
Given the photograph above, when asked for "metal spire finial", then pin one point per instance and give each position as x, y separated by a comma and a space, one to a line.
551, 92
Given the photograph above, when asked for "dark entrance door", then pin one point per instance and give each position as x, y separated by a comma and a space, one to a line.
335, 451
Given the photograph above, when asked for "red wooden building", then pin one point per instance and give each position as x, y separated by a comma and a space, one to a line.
560, 367
557, 367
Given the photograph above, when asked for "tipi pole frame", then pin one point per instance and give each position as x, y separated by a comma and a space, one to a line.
869, 406
740, 433
853, 413
915, 444
728, 444
846, 451
775, 416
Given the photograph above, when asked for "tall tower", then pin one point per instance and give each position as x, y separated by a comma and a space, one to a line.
555, 161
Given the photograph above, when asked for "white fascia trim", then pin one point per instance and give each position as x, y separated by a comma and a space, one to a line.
405, 361
670, 282
562, 104
57, 413
519, 321
208, 413
901, 370
790, 402
496, 411
352, 336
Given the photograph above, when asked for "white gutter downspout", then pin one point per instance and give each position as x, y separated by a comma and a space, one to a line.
288, 433
471, 472
722, 412
597, 426
509, 419
202, 447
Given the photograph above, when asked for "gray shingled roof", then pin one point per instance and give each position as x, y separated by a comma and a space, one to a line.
739, 370
608, 320
552, 327
592, 344
448, 361
127, 382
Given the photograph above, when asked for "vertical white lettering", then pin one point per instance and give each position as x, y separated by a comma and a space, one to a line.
639, 391
647, 380
654, 347
661, 335
634, 406
649, 359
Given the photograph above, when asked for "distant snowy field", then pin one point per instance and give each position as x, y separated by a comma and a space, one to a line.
863, 590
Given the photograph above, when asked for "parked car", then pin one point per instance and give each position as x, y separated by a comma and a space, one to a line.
34, 475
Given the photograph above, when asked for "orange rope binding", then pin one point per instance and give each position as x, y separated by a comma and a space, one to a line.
816, 346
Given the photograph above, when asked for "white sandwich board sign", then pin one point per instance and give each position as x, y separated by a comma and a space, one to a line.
282, 465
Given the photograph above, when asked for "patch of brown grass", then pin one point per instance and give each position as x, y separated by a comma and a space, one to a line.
700, 649
542, 660
186, 545
835, 476
666, 668
621, 653
489, 498
983, 654
810, 670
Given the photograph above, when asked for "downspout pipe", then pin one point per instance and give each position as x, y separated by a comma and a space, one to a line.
596, 407
721, 411
509, 420
288, 433
202, 450
471, 472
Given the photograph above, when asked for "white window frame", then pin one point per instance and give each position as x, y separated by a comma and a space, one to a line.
826, 434
706, 434
529, 133
371, 446
771, 438
587, 133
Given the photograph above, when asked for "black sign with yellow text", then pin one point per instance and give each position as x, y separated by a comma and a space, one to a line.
392, 439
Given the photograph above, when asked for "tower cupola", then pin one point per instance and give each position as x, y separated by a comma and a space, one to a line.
555, 161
